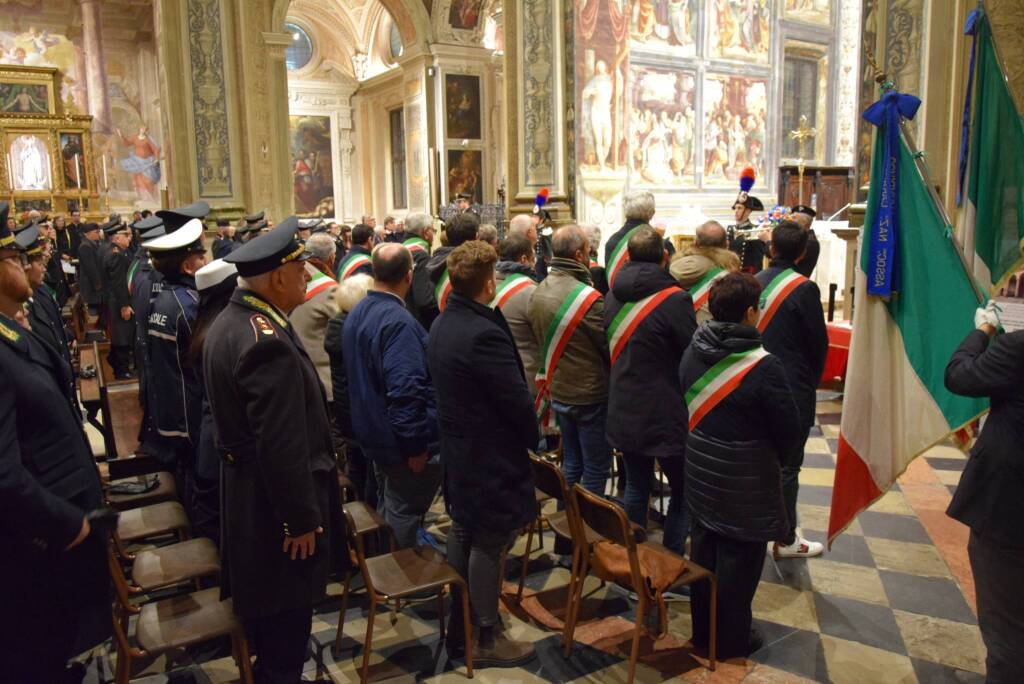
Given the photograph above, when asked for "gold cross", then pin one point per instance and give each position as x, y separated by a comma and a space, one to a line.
802, 133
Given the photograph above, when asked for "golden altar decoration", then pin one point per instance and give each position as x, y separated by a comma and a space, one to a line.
47, 160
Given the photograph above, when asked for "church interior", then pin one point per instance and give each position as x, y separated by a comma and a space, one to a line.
344, 110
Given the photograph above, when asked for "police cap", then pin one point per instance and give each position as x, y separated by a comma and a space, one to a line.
267, 252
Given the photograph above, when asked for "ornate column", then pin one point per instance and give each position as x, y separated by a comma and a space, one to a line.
538, 135
95, 66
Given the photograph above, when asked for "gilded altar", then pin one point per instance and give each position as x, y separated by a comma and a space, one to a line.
48, 162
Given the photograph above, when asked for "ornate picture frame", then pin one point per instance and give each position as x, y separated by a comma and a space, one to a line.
29, 91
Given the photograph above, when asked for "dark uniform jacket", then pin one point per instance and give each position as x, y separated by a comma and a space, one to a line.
750, 249
66, 241
90, 273
797, 335
733, 456
45, 319
223, 246
56, 280
644, 384
487, 419
279, 476
55, 602
178, 396
115, 287
810, 260
990, 496
146, 284
420, 298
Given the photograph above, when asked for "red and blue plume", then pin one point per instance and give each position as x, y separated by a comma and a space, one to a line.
747, 178
542, 199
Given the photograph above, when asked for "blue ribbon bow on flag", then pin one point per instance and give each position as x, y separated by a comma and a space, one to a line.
882, 240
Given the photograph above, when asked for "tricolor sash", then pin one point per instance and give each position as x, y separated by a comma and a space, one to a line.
702, 289
775, 293
318, 283
560, 330
417, 244
719, 381
352, 264
442, 290
629, 318
131, 274
516, 282
620, 255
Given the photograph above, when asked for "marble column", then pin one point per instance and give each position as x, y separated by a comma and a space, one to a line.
95, 65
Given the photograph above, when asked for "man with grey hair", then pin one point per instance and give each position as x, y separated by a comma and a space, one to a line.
597, 271
575, 381
419, 229
489, 234
309, 319
702, 262
638, 206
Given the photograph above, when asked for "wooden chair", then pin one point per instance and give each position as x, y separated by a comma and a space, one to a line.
147, 522
172, 624
165, 566
550, 483
364, 521
402, 573
131, 469
610, 523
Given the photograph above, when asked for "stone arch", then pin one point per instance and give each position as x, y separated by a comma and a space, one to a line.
410, 16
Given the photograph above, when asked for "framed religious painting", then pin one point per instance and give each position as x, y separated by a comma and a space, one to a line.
465, 174
312, 165
462, 107
739, 30
464, 14
72, 161
663, 127
28, 91
29, 162
735, 126
808, 11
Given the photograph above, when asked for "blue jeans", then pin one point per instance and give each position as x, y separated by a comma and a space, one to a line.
639, 471
586, 456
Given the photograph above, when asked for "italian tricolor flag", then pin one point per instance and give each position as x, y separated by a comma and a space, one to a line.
896, 405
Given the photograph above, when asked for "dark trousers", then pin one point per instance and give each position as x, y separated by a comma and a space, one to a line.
998, 579
360, 471
407, 498
120, 359
737, 566
639, 471
586, 456
206, 508
280, 642
791, 482
476, 555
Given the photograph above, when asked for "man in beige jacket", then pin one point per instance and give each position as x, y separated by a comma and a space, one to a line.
702, 261
515, 262
309, 319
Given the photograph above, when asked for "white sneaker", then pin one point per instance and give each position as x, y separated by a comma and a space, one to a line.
800, 548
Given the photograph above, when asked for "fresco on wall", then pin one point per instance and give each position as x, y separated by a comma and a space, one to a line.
43, 48
663, 126
464, 14
739, 29
312, 165
602, 44
462, 106
735, 125
465, 171
661, 24
810, 11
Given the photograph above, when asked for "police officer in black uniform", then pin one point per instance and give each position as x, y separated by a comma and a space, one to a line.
282, 507
54, 590
42, 309
178, 396
144, 283
751, 248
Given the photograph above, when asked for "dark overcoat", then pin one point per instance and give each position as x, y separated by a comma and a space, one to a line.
279, 475
115, 289
487, 419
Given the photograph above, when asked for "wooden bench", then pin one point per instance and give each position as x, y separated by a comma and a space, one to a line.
93, 393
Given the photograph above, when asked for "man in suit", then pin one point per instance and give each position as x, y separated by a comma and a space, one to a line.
90, 269
282, 506
118, 300
54, 592
357, 260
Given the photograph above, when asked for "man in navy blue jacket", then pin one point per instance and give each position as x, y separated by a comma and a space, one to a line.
394, 417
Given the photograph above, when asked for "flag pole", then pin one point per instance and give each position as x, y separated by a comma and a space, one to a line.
922, 169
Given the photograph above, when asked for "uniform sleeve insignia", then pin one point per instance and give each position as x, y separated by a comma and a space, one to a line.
9, 333
261, 326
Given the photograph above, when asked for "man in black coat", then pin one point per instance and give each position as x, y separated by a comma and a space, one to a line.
488, 427
792, 324
460, 229
357, 260
419, 229
145, 285
281, 508
55, 584
118, 300
90, 268
803, 216
734, 456
650, 321
990, 496
638, 206
224, 243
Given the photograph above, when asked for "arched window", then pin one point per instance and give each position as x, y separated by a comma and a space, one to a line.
298, 54
395, 41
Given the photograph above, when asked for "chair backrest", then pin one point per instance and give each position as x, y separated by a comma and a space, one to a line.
603, 517
355, 543
549, 479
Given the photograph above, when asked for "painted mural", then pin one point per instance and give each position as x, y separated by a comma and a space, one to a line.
464, 14
312, 165
130, 141
810, 11
735, 126
602, 52
739, 29
661, 24
663, 126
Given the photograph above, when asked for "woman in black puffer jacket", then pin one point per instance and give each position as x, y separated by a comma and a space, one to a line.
733, 467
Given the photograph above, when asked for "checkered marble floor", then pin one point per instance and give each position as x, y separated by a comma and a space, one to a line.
890, 602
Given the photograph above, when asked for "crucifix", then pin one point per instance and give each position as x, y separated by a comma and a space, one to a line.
801, 134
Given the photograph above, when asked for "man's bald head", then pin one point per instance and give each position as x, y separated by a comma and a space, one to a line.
570, 242
392, 263
522, 224
801, 219
710, 234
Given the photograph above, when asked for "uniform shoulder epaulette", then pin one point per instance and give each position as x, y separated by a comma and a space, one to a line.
261, 326
9, 332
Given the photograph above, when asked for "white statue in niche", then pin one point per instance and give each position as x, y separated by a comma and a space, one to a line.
30, 162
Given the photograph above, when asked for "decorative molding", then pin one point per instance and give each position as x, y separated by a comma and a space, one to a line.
537, 93
846, 87
210, 108
446, 33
